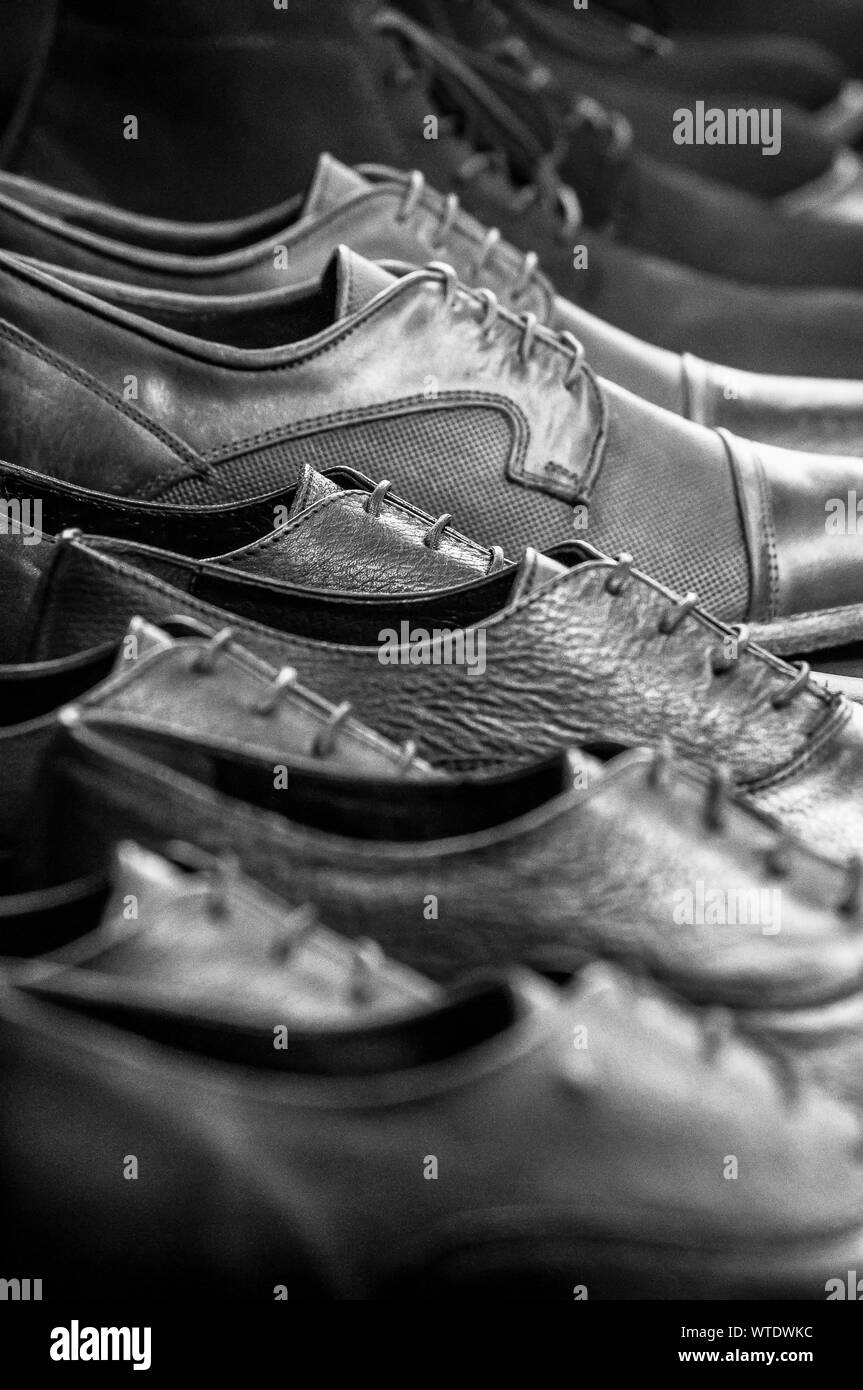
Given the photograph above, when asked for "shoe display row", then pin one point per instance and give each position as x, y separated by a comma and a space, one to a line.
431, 653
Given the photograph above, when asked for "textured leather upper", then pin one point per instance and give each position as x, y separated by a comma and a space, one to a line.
331, 532
568, 662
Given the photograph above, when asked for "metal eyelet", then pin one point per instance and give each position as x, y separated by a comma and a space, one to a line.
376, 499
270, 698
449, 279
671, 620
325, 740
368, 960
620, 575
784, 697
492, 311
432, 538
204, 661
299, 927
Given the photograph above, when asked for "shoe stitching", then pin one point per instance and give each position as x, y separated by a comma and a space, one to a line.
387, 410
123, 408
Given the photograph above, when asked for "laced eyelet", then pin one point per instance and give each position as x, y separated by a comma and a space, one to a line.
619, 577
492, 311
784, 697
326, 738
489, 245
660, 762
718, 790
432, 538
413, 195
573, 370
299, 927
376, 499
849, 903
368, 961
445, 226
204, 662
529, 324
720, 663
274, 691
496, 559
527, 270
671, 620
448, 278
407, 758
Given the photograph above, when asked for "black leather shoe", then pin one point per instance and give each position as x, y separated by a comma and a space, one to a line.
330, 532
194, 402
837, 24
190, 72
676, 213
511, 1140
195, 740
647, 77
389, 216
550, 655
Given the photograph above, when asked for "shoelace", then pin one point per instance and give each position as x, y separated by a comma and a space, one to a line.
640, 36
719, 792
416, 192
505, 47
613, 126
219, 872
722, 662
434, 59
720, 784
433, 536
531, 331
323, 745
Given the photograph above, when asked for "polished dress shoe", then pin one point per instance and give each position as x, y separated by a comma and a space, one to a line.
837, 24
197, 947
661, 210
325, 533
647, 78
595, 1165
389, 216
148, 692
201, 67
552, 656
318, 805
800, 70
197, 401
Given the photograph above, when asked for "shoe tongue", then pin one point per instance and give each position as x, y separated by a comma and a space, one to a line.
534, 571
313, 487
357, 281
333, 185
